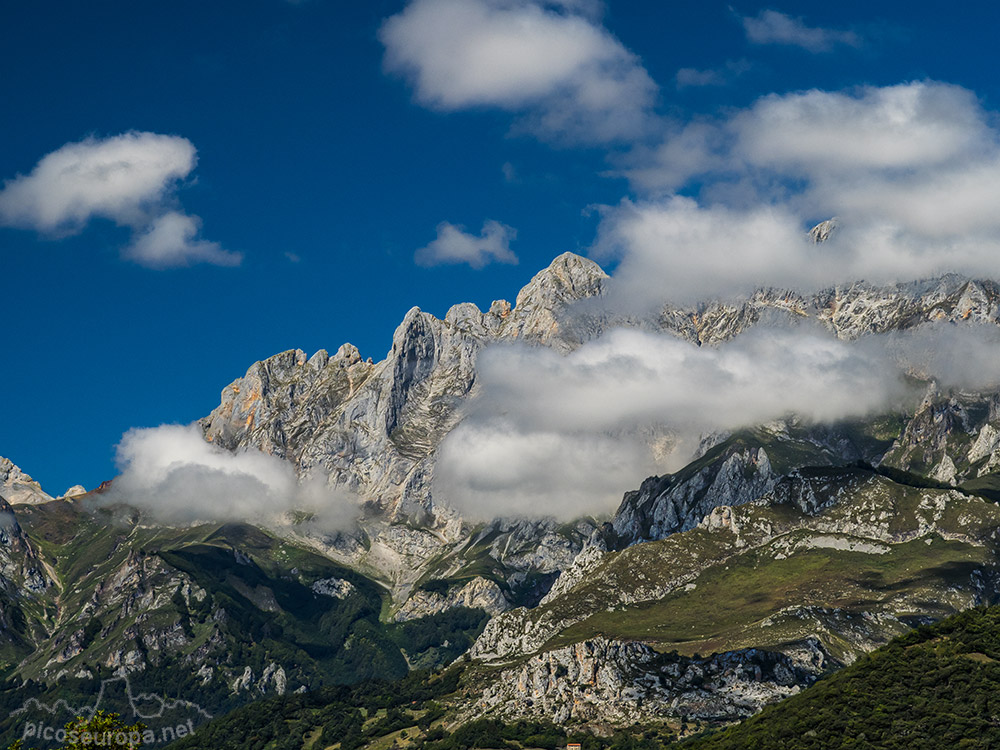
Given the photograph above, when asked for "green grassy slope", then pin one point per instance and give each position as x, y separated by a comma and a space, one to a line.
741, 604
901, 553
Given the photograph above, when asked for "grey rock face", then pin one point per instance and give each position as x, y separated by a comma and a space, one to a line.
950, 438
823, 231
478, 593
16, 487
665, 505
373, 428
338, 588
22, 570
621, 682
849, 311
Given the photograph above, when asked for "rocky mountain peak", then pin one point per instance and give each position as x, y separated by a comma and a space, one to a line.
823, 231
16, 487
568, 278
540, 307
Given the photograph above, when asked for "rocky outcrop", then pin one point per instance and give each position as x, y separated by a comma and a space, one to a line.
338, 588
849, 311
272, 679
620, 683
665, 505
18, 488
847, 510
823, 231
950, 438
22, 570
479, 593
373, 428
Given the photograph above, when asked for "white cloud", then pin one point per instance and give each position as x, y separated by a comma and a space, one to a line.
453, 245
696, 148
129, 179
567, 435
551, 62
963, 357
590, 8
912, 172
901, 127
117, 178
820, 135
921, 157
773, 27
491, 469
679, 251
172, 241
172, 473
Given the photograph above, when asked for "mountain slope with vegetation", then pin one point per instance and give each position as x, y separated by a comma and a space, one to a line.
934, 687
215, 615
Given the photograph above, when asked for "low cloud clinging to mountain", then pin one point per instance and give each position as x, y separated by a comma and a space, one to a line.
177, 477
567, 435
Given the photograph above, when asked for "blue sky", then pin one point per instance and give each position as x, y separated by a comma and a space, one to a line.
325, 165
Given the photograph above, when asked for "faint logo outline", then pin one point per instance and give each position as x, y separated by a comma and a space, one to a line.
88, 712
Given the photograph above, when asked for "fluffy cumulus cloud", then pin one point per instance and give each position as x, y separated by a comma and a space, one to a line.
172, 240
116, 178
172, 473
491, 469
129, 179
567, 435
900, 127
551, 62
773, 27
453, 245
910, 170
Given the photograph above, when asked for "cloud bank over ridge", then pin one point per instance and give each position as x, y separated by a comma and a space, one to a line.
911, 171
567, 435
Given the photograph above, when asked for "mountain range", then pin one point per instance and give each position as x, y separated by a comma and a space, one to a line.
777, 553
